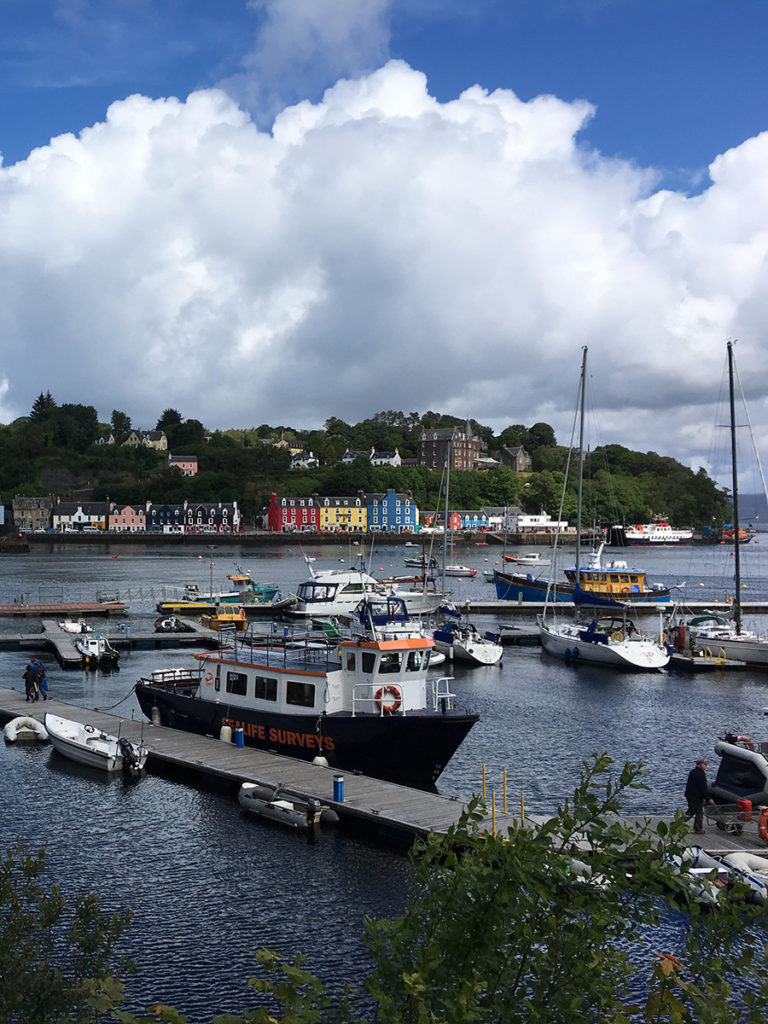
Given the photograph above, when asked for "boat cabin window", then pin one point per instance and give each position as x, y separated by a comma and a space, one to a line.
350, 661
352, 588
390, 662
237, 683
368, 661
415, 661
265, 689
301, 694
317, 592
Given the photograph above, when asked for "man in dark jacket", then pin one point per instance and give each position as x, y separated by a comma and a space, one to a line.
696, 793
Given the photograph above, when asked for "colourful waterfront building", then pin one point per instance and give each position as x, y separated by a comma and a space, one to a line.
293, 515
392, 512
343, 515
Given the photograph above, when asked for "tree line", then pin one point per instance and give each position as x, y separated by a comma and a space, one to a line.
56, 450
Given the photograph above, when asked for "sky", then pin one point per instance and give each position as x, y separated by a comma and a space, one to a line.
277, 211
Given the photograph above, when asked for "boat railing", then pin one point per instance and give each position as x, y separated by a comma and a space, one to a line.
382, 698
174, 678
308, 648
442, 697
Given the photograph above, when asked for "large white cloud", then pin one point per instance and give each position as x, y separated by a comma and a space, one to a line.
378, 250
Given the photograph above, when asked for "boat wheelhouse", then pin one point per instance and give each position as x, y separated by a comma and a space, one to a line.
362, 705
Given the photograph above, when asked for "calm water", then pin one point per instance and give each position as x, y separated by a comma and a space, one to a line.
208, 886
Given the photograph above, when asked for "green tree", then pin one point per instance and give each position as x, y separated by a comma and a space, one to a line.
42, 405
57, 963
121, 425
169, 418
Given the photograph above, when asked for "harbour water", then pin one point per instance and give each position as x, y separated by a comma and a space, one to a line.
207, 886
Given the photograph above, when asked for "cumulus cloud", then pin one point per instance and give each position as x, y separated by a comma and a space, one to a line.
377, 250
301, 45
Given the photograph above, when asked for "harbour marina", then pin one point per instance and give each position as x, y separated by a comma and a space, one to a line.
539, 720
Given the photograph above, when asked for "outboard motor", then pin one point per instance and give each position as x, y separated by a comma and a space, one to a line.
129, 756
313, 806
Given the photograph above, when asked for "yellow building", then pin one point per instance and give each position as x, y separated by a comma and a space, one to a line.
343, 515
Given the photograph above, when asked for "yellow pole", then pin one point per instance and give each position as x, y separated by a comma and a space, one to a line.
522, 807
493, 812
483, 781
504, 776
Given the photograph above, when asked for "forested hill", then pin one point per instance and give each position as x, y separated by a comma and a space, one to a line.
56, 450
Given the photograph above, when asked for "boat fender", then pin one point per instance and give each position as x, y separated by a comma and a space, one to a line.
575, 652
381, 697
617, 636
762, 825
225, 734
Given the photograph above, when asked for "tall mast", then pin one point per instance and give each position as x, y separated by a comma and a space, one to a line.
445, 522
735, 480
581, 464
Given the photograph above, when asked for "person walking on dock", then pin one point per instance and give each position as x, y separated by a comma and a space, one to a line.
697, 793
42, 679
30, 680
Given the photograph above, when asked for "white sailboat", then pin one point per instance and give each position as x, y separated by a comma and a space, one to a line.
725, 636
610, 638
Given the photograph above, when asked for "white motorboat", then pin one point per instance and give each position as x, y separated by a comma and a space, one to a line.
75, 626
613, 640
279, 807
90, 746
25, 728
339, 591
97, 651
527, 558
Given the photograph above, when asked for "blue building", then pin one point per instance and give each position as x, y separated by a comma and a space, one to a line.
392, 513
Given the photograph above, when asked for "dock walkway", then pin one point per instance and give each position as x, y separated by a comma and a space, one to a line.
384, 809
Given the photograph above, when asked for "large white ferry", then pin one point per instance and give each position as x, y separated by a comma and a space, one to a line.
363, 705
650, 533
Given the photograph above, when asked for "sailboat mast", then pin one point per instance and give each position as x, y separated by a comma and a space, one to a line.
735, 484
445, 524
581, 464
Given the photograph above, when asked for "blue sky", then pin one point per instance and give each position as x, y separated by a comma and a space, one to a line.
675, 82
448, 199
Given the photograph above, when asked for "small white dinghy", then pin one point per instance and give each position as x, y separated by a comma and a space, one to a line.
289, 811
25, 729
90, 746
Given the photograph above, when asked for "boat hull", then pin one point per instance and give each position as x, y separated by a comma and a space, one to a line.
409, 749
567, 643
519, 587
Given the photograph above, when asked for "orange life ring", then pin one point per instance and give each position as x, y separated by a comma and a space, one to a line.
748, 743
625, 590
242, 613
208, 678
381, 695
762, 825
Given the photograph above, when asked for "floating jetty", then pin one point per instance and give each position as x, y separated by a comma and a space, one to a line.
381, 810
67, 610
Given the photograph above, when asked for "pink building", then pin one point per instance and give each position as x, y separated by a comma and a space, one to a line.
127, 519
187, 464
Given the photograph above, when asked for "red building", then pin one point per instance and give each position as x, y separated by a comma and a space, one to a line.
293, 515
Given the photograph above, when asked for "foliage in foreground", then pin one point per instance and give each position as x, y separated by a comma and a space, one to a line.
536, 925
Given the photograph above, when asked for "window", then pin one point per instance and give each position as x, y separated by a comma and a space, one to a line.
368, 661
265, 689
415, 661
350, 661
237, 683
301, 694
390, 663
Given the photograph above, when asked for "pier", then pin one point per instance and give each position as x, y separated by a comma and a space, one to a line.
60, 643
381, 810
384, 810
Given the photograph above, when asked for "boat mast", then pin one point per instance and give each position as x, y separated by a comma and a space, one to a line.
735, 484
581, 465
445, 532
